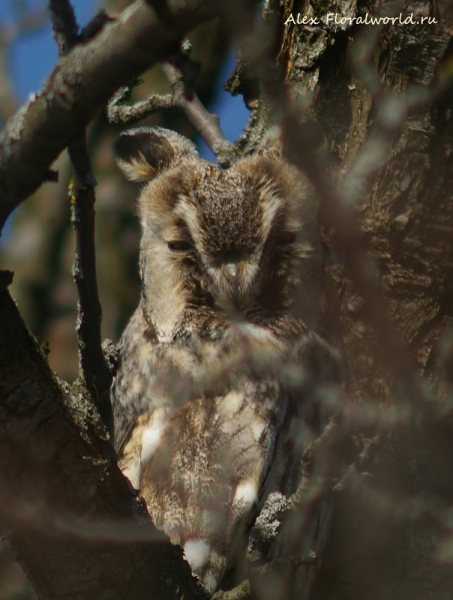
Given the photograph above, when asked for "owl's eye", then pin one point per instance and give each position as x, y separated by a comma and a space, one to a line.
179, 246
286, 238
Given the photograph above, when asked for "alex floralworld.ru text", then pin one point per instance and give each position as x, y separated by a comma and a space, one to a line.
337, 19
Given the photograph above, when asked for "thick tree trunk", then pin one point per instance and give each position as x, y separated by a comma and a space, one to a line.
391, 515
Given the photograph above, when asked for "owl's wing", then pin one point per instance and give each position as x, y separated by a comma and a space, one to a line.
140, 406
206, 475
141, 442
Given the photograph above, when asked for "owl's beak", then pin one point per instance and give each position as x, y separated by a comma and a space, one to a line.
234, 282
231, 269
231, 278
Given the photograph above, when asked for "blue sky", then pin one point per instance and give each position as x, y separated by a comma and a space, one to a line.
32, 57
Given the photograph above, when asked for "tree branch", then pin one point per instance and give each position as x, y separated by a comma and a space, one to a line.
64, 25
119, 111
345, 221
70, 515
182, 97
205, 123
92, 363
80, 85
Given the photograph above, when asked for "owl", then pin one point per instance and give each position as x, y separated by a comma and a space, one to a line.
214, 396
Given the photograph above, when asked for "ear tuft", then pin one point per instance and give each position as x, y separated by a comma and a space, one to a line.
145, 152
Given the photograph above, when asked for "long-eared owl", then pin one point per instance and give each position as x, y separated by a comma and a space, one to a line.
213, 400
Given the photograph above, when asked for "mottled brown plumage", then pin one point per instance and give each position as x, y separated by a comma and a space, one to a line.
212, 399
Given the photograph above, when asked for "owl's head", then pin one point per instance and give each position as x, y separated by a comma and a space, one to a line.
241, 242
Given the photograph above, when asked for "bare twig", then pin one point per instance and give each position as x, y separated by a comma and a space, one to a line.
206, 124
119, 111
93, 366
64, 25
182, 97
50, 120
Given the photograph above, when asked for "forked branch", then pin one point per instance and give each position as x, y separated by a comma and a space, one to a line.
182, 96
